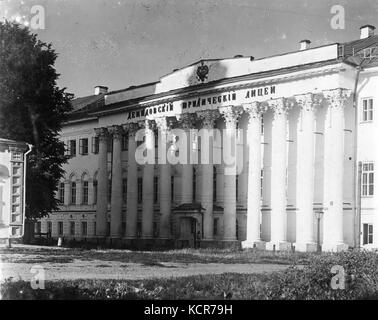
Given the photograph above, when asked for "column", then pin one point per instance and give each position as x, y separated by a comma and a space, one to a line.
231, 115
305, 237
132, 183
102, 188
148, 184
164, 179
278, 217
253, 239
116, 196
334, 170
187, 122
208, 118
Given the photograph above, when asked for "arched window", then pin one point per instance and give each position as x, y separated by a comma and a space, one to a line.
73, 191
194, 186
61, 192
85, 189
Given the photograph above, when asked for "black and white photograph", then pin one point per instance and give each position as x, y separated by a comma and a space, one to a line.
202, 151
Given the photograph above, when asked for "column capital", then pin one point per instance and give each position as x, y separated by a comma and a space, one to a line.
231, 114
187, 120
102, 133
337, 97
308, 101
163, 124
254, 110
280, 105
131, 128
208, 118
116, 131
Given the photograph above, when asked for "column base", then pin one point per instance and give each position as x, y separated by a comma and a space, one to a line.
306, 247
334, 247
258, 244
278, 246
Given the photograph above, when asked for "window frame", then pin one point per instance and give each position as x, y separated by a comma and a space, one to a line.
369, 111
367, 179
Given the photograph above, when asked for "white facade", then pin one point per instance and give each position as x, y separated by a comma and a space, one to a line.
301, 154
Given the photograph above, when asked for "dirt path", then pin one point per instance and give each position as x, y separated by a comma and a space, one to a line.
98, 269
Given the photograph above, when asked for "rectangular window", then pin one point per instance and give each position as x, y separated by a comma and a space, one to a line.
73, 192
125, 142
156, 189
140, 190
109, 191
84, 228
60, 228
124, 190
367, 233
367, 179
61, 192
83, 146
95, 144
72, 228
172, 188
94, 191
94, 228
215, 230
49, 227
37, 227
72, 148
367, 109
85, 192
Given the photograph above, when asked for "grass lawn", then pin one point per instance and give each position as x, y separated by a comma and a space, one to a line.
30, 254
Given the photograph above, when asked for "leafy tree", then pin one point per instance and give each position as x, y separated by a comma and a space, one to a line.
32, 109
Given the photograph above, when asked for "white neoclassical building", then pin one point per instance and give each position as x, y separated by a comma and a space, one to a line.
305, 175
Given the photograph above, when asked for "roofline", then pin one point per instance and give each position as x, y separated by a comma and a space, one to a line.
118, 106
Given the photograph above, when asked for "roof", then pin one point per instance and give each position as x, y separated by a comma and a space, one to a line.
349, 52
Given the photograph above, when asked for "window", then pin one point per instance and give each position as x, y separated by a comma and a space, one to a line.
125, 142
94, 228
83, 146
155, 229
367, 109
85, 192
37, 227
73, 192
72, 228
237, 187
215, 226
72, 148
110, 144
367, 233
367, 179
61, 192
94, 191
156, 189
172, 187
214, 184
194, 187
60, 228
124, 190
140, 190
109, 190
49, 227
84, 228
95, 144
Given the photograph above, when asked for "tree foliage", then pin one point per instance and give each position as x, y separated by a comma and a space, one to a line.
32, 109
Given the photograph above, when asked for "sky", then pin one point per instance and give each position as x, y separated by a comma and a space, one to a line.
119, 43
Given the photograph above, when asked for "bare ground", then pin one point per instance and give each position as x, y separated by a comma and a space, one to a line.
72, 264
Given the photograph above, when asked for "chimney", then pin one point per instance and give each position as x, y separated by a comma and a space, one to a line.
305, 44
367, 31
100, 90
